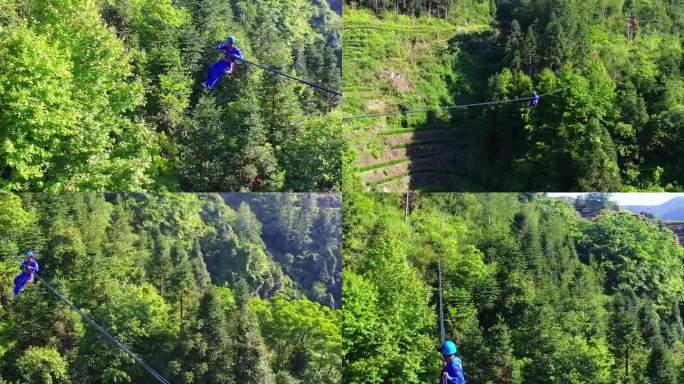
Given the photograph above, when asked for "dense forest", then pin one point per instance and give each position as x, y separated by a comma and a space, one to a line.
533, 292
610, 74
107, 95
205, 288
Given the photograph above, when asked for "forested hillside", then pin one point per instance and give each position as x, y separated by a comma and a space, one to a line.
609, 74
533, 293
203, 292
107, 95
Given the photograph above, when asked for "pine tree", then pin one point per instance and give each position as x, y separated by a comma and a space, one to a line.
660, 368
182, 280
514, 46
247, 227
252, 361
161, 267
216, 333
255, 165
529, 56
202, 142
199, 268
123, 259
624, 329
506, 369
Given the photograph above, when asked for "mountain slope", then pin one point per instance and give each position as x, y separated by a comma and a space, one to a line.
672, 210
607, 119
397, 63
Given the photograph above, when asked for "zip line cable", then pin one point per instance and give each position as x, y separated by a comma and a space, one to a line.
462, 106
281, 73
104, 333
442, 330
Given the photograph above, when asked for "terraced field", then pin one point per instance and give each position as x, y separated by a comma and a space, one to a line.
395, 64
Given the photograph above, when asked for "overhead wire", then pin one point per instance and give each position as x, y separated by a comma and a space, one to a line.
442, 329
297, 79
535, 3
104, 332
447, 107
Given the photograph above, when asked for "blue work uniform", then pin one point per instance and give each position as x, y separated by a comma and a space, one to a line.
218, 69
454, 371
534, 101
28, 269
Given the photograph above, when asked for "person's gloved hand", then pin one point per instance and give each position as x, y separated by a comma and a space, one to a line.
445, 377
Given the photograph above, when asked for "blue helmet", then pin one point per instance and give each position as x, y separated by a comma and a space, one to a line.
29, 254
230, 40
449, 348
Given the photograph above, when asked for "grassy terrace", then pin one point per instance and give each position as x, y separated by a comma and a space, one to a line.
398, 63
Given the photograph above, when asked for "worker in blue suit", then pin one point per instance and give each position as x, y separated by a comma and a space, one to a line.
225, 65
452, 372
29, 267
534, 100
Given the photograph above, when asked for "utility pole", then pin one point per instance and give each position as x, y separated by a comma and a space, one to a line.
406, 206
629, 29
442, 331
